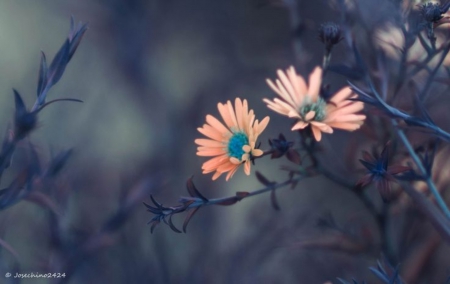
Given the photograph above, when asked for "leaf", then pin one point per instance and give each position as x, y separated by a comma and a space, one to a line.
20, 105
154, 224
380, 275
186, 202
152, 209
58, 163
193, 191
7, 150
42, 76
158, 205
262, 179
75, 36
44, 201
189, 217
394, 277
58, 65
276, 154
172, 226
380, 267
43, 105
342, 281
294, 156
229, 201
273, 199
49, 76
242, 194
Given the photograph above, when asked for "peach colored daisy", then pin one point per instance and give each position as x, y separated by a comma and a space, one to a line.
232, 144
304, 103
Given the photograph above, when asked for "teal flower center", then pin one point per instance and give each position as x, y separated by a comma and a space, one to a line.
319, 107
235, 144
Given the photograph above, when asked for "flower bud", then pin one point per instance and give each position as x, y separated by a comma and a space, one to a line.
330, 34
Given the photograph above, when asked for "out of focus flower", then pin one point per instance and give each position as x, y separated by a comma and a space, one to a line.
304, 103
232, 144
379, 171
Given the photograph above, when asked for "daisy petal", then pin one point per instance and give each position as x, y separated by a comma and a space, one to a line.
215, 123
317, 133
209, 143
299, 125
262, 125
247, 167
315, 81
341, 95
210, 132
310, 115
216, 175
257, 152
226, 116
246, 148
235, 161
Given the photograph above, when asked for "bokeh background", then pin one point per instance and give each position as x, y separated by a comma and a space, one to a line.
148, 73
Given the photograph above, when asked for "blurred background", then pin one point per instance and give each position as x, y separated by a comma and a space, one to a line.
148, 73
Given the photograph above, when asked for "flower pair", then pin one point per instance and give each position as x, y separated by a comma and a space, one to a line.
234, 143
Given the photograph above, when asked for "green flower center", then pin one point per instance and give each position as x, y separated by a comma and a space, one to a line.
319, 107
235, 144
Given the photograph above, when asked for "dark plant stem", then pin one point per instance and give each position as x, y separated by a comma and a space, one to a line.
440, 201
430, 80
326, 61
381, 218
265, 153
232, 199
386, 241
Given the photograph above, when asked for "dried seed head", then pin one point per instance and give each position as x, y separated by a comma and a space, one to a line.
432, 12
330, 34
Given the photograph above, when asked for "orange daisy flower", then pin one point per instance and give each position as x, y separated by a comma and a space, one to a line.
231, 145
304, 103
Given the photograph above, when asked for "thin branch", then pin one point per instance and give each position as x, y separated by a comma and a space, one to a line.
425, 90
227, 200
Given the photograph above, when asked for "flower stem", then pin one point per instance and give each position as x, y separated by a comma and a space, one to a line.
326, 61
440, 201
232, 199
